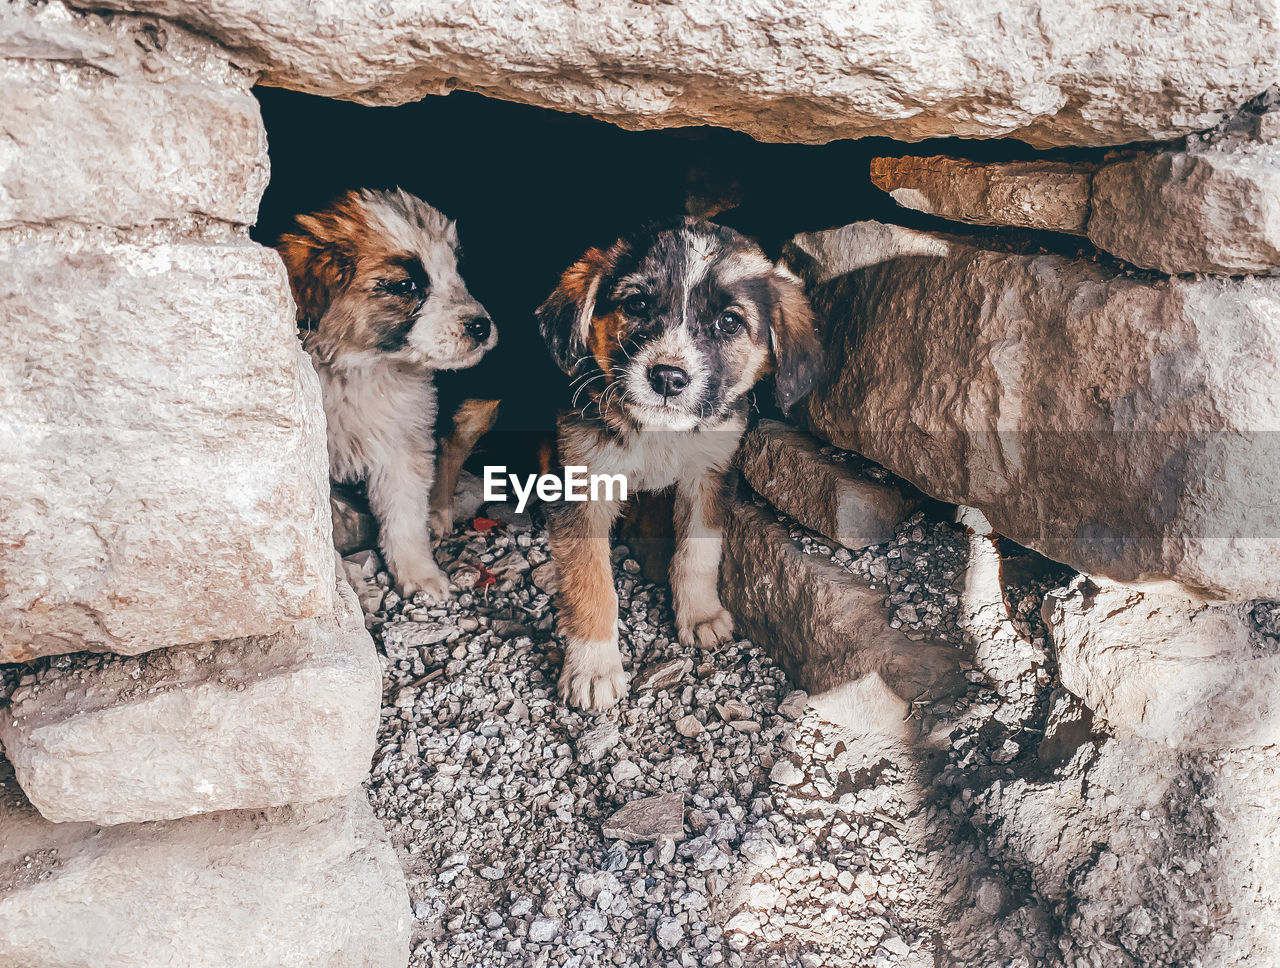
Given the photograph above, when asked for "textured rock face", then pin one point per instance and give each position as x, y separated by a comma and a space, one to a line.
824, 628
232, 725
161, 435
1209, 210
800, 71
787, 467
1120, 425
1212, 208
293, 887
122, 123
1164, 668
1049, 195
164, 448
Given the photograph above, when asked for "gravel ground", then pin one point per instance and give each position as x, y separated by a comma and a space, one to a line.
800, 845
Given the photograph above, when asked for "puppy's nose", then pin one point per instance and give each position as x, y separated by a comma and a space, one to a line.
668, 380
478, 328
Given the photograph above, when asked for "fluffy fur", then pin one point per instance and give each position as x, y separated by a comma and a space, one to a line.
664, 333
382, 307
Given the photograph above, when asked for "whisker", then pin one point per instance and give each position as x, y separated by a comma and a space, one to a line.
577, 393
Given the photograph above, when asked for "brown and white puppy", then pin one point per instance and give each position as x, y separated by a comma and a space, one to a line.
382, 307
665, 332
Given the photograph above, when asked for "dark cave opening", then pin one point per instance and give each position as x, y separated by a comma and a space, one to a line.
531, 189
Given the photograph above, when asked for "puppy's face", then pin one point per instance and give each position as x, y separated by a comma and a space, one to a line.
377, 273
669, 328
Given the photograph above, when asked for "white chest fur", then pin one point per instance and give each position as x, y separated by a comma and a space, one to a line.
377, 413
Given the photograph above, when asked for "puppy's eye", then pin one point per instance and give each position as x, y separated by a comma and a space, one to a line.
400, 287
637, 304
729, 322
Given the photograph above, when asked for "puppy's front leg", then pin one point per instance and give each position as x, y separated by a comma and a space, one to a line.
695, 568
592, 677
400, 495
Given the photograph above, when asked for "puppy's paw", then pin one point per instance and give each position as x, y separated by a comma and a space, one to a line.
592, 678
706, 631
431, 582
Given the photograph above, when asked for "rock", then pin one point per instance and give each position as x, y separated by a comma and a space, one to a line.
361, 571
690, 726
354, 526
1119, 424
825, 628
624, 771
1051, 195
805, 71
786, 773
542, 930
239, 724
314, 885
990, 896
1213, 208
547, 578
794, 704
652, 818
664, 675
164, 448
1165, 668
123, 122
786, 466
670, 933
468, 498
731, 710
597, 741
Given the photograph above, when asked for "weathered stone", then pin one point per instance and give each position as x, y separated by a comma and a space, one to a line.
231, 725
1052, 195
1118, 424
166, 479
829, 496
1209, 209
803, 70
1165, 668
289, 886
825, 628
653, 818
123, 122
597, 741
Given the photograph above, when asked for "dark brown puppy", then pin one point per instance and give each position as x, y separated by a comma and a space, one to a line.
665, 333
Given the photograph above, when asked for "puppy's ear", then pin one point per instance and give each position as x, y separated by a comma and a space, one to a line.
321, 262
565, 318
792, 338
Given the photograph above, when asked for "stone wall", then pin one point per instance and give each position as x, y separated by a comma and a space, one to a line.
785, 70
190, 736
166, 498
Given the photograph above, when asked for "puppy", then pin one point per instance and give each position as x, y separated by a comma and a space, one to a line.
382, 307
665, 332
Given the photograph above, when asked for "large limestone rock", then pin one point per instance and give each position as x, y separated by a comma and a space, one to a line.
827, 630
123, 122
1164, 668
1213, 208
799, 70
1050, 195
241, 724
290, 887
161, 443
829, 496
1122, 425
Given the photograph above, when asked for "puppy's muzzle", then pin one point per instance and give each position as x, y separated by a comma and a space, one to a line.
478, 328
670, 381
